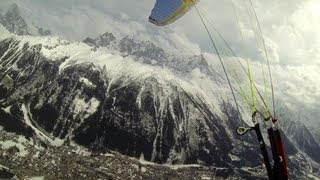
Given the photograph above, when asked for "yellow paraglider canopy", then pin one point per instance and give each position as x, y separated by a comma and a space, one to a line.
167, 11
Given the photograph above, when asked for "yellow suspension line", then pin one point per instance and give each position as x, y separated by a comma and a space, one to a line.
267, 59
262, 68
243, 68
248, 65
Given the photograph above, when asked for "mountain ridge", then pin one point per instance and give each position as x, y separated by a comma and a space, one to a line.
13, 21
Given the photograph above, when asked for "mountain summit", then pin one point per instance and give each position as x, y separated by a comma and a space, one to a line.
14, 22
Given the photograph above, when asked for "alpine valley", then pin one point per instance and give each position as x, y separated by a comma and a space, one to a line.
118, 108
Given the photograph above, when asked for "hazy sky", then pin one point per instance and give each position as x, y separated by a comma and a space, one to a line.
291, 29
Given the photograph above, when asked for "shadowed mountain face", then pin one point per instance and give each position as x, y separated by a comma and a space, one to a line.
132, 116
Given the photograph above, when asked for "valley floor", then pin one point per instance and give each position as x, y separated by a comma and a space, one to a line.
25, 158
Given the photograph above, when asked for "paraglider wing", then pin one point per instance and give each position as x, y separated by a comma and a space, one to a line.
167, 11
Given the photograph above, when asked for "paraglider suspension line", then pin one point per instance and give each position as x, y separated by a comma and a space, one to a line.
267, 59
221, 62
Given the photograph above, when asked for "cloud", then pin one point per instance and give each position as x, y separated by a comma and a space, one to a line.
295, 32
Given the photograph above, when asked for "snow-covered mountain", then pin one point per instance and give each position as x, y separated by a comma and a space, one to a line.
138, 106
109, 94
149, 53
303, 139
316, 133
13, 21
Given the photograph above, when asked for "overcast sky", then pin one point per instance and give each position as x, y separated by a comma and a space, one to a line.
291, 29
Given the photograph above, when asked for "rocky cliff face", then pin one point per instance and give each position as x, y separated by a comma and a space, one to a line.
303, 139
316, 133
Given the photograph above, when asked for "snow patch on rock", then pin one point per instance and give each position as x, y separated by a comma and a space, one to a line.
87, 108
4, 33
7, 109
9, 144
86, 82
37, 129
